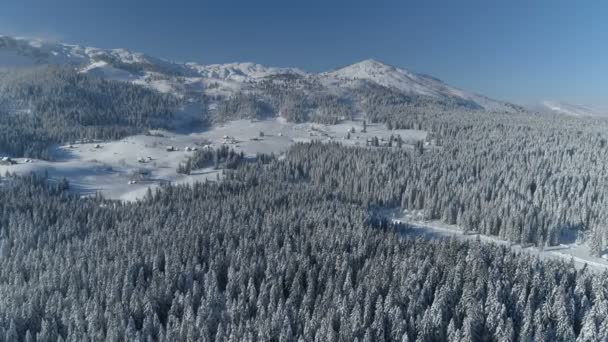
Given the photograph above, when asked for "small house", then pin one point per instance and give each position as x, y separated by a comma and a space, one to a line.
7, 161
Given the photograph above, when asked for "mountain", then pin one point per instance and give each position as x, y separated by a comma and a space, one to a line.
124, 65
189, 79
576, 110
408, 82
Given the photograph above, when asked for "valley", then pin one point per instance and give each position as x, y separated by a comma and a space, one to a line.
110, 167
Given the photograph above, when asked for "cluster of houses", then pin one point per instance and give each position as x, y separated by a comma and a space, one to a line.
229, 140
259, 137
187, 149
313, 132
144, 160
140, 174
392, 141
10, 161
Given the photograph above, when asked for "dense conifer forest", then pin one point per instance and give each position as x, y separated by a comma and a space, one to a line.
293, 248
280, 250
49, 105
525, 177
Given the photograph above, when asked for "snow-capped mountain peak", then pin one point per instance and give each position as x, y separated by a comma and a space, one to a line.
223, 79
405, 81
369, 68
381, 74
396, 78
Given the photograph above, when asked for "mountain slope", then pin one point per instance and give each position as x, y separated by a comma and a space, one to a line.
189, 79
571, 109
408, 82
392, 77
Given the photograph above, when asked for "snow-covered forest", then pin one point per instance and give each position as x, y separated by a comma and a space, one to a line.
265, 212
50, 105
272, 253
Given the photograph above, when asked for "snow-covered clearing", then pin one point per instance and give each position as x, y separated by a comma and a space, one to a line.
578, 253
125, 169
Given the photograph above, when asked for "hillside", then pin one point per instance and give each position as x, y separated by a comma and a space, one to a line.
225, 80
575, 110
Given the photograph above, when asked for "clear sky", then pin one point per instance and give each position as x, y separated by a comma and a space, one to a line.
521, 51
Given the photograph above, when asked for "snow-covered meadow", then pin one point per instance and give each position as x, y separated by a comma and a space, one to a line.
126, 168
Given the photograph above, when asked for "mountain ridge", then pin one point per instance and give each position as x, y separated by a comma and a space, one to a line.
224, 79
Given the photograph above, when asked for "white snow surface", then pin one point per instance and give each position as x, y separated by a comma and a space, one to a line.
576, 110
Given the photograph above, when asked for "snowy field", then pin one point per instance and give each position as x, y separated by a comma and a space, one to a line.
125, 169
578, 253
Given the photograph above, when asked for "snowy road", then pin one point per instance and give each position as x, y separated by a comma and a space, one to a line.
579, 254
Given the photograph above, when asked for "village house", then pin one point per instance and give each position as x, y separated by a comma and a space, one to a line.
7, 161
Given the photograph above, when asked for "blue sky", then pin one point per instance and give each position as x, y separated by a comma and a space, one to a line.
521, 51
